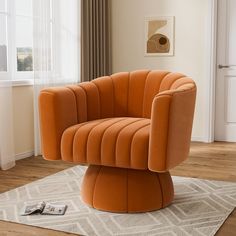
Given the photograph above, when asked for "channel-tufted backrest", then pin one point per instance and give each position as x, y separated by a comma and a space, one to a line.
125, 94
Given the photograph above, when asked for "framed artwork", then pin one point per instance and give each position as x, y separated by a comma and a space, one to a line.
159, 36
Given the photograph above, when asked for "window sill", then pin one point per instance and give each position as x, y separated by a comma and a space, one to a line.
22, 82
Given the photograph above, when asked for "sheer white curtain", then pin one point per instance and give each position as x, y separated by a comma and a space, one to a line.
7, 155
56, 48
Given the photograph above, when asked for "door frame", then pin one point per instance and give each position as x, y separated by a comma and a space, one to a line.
209, 135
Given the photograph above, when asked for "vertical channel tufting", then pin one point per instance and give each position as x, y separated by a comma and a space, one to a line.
127, 104
151, 89
182, 81
136, 87
120, 141
120, 83
139, 147
162, 198
92, 144
109, 141
94, 187
67, 142
99, 99
95, 140
76, 100
144, 90
122, 144
115, 121
105, 88
167, 188
113, 97
93, 103
86, 100
131, 145
81, 102
169, 80
88, 184
80, 141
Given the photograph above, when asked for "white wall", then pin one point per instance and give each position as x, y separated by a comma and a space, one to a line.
190, 43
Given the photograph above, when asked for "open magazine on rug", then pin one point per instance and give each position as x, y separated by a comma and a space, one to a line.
44, 208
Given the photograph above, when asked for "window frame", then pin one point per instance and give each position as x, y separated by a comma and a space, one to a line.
4, 75
18, 78
21, 75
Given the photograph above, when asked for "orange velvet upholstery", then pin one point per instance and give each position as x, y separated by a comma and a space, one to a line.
126, 190
140, 120
120, 142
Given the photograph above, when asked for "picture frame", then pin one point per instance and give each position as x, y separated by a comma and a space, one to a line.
159, 36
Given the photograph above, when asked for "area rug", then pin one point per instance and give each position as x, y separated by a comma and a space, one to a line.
200, 207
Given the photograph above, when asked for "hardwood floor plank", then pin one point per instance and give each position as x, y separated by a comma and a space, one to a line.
14, 229
207, 161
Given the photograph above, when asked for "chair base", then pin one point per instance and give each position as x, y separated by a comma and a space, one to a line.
126, 190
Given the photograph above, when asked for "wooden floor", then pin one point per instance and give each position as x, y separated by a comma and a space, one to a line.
208, 161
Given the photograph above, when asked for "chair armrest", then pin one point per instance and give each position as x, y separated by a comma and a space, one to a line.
57, 111
171, 127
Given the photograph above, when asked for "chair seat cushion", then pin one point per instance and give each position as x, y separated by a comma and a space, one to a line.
118, 142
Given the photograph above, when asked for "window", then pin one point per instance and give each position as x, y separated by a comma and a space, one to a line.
24, 35
55, 48
16, 39
3, 36
24, 59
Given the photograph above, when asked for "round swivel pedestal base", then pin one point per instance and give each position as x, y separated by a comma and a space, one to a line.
126, 190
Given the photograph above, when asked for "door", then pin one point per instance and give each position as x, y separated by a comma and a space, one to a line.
225, 122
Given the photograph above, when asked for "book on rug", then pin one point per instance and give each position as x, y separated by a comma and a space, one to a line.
44, 208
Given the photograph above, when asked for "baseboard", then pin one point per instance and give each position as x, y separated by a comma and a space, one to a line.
199, 139
23, 155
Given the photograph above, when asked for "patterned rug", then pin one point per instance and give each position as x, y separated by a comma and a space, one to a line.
200, 208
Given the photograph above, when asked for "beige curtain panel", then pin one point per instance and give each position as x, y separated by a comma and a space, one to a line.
95, 39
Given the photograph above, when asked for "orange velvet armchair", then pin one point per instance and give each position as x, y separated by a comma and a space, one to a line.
129, 128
